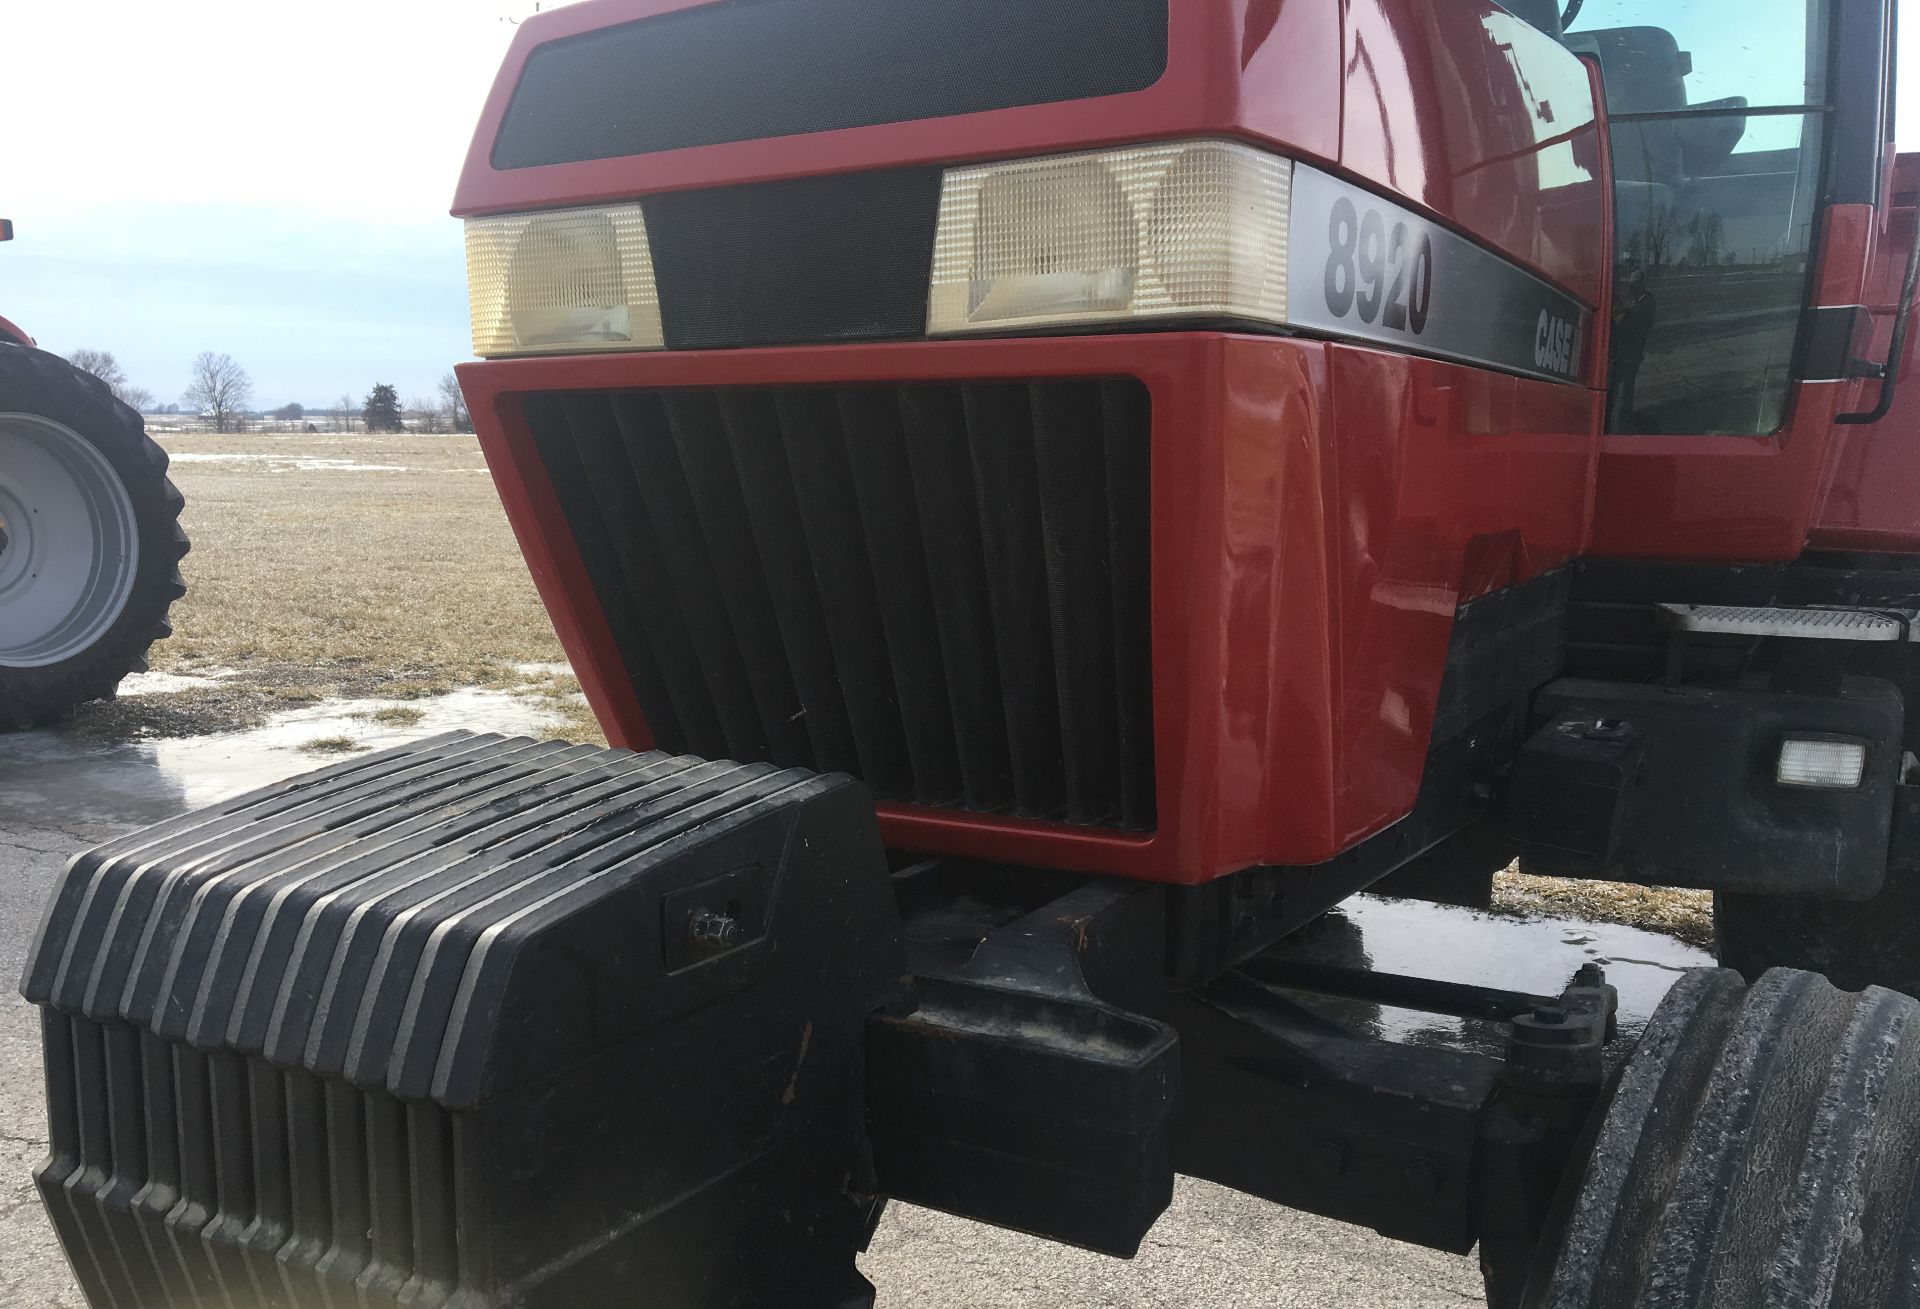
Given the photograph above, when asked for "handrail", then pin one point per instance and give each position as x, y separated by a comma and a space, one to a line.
1888, 373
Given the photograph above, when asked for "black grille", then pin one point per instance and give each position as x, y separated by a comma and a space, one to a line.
939, 588
789, 263
752, 69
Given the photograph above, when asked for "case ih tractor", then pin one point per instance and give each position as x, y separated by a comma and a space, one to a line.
90, 539
1046, 500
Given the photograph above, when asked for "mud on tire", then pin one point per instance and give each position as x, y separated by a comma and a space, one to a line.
1761, 1150
41, 385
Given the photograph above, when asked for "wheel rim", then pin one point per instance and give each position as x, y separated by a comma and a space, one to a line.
69, 543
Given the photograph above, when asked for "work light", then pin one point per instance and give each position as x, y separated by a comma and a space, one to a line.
1822, 763
565, 280
1189, 229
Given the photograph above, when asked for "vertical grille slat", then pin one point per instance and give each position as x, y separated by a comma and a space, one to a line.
721, 525
935, 427
553, 437
609, 483
830, 517
1006, 482
871, 426
1126, 411
753, 434
680, 554
939, 587
1070, 449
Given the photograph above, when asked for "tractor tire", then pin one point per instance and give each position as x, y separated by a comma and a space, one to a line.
90, 539
1760, 1152
1856, 944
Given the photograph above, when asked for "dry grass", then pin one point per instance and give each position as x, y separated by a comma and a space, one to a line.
393, 715
1687, 915
313, 582
331, 745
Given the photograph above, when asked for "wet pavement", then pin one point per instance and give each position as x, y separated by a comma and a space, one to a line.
1214, 1248
52, 782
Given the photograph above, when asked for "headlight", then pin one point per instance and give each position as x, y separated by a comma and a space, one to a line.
565, 280
1188, 229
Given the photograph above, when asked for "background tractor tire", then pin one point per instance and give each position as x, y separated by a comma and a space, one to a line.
1866, 943
1761, 1151
90, 539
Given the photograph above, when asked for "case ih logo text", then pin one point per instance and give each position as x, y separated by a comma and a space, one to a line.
1556, 344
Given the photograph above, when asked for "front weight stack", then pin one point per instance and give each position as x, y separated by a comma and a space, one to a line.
477, 1022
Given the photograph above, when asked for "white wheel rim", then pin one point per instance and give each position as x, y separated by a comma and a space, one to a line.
69, 543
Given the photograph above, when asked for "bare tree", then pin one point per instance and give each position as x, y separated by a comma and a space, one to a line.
453, 404
346, 408
219, 390
104, 366
423, 415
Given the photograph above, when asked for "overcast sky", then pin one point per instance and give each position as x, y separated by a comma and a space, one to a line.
265, 178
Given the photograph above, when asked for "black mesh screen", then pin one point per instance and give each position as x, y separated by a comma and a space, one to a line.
939, 588
743, 70
788, 263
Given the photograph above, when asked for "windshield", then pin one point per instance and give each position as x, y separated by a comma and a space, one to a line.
1717, 109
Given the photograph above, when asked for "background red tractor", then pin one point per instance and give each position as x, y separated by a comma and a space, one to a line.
90, 540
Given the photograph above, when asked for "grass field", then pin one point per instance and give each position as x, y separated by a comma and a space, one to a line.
382, 567
335, 566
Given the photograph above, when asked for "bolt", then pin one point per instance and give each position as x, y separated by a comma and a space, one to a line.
711, 931
1422, 1177
1590, 975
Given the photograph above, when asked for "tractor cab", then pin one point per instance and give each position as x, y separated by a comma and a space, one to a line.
1720, 170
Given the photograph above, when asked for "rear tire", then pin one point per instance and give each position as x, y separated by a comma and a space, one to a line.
63, 647
1761, 1150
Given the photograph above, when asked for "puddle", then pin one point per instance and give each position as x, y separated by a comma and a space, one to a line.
299, 463
49, 780
1450, 944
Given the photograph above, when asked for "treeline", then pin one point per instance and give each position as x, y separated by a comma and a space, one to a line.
220, 395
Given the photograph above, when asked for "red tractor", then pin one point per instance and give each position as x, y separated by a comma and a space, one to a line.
90, 539
1046, 500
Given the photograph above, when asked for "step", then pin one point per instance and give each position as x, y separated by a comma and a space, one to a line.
1800, 624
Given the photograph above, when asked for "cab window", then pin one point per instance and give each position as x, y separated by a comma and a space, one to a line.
1718, 111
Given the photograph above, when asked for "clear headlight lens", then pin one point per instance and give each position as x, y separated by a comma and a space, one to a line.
1186, 229
562, 281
